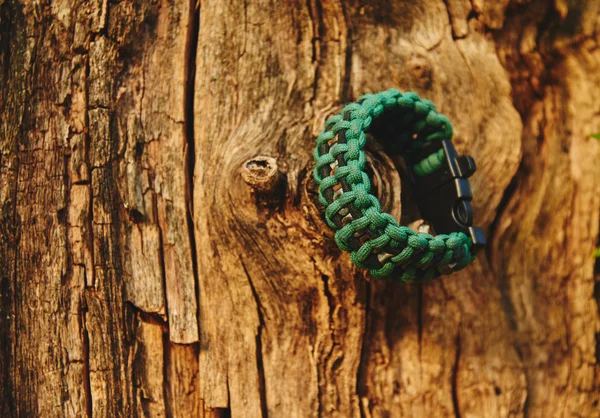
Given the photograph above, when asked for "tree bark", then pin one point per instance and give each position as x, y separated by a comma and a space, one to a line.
162, 252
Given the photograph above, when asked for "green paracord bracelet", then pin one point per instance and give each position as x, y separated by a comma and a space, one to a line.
439, 177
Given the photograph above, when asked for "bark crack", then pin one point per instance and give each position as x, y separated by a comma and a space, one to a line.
165, 369
363, 349
91, 280
89, 276
315, 14
189, 147
87, 383
450, 18
259, 358
166, 329
331, 305
161, 259
455, 369
345, 94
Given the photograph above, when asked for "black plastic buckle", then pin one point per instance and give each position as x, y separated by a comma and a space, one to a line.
444, 196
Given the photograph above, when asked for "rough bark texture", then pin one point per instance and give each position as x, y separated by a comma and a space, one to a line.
145, 271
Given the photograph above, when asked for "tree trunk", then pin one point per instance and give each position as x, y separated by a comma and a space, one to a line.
147, 270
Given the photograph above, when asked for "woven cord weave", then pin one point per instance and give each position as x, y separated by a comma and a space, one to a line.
374, 238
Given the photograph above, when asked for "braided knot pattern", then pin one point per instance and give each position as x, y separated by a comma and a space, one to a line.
374, 238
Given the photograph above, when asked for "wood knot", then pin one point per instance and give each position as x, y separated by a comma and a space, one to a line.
261, 173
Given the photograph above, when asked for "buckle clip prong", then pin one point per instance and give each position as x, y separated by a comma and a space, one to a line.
443, 197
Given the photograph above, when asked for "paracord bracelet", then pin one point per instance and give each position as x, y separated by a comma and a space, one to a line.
438, 175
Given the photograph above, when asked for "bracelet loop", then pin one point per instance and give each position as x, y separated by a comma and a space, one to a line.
439, 176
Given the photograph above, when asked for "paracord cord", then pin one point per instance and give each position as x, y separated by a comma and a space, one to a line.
374, 238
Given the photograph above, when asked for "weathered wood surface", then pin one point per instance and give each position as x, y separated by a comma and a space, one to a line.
141, 275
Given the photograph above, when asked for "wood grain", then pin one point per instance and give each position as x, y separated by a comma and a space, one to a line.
144, 271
